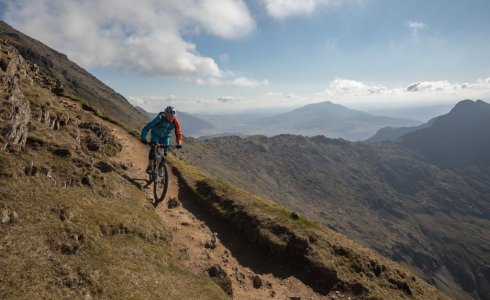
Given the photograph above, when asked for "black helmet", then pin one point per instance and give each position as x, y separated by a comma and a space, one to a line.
170, 111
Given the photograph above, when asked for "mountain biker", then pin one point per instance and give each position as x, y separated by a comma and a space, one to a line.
161, 131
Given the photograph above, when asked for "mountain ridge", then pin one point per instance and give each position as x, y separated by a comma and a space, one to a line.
323, 118
457, 139
71, 80
388, 196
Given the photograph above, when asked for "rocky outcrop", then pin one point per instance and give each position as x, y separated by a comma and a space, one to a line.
15, 112
98, 137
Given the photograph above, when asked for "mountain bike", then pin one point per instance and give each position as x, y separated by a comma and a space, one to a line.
159, 173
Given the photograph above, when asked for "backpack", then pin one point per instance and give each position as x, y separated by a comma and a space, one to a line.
162, 120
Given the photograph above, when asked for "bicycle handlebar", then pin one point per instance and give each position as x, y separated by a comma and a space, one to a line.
162, 146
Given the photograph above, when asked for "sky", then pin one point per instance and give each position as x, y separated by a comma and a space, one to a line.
219, 56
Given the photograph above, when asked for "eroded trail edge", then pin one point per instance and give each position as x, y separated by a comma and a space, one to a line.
203, 245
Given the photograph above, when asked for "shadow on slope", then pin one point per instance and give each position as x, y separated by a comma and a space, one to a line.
321, 258
248, 254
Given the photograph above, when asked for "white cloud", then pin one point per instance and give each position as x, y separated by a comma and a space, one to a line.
153, 101
433, 86
247, 82
227, 99
415, 27
281, 9
237, 82
343, 91
144, 37
224, 18
158, 103
281, 97
351, 91
352, 88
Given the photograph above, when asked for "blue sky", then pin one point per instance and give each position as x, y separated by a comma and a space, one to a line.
233, 55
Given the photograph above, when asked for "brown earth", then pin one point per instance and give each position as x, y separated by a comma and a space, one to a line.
192, 239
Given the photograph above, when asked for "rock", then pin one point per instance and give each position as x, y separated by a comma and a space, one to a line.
16, 111
65, 214
62, 152
219, 276
313, 239
9, 217
92, 143
272, 294
212, 243
173, 202
103, 138
268, 284
5, 216
295, 215
14, 217
31, 170
86, 180
257, 282
209, 245
104, 167
295, 298
185, 223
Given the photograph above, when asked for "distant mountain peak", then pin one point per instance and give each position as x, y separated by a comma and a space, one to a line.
470, 106
457, 139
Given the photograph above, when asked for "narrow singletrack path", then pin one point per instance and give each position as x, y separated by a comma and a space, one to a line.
193, 231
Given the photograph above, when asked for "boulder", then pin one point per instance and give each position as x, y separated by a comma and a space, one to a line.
221, 278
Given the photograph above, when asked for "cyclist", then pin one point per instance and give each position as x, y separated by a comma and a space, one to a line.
161, 131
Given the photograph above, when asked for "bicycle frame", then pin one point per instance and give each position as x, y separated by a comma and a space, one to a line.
159, 181
159, 156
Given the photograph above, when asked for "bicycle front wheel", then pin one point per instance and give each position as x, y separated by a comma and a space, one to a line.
160, 184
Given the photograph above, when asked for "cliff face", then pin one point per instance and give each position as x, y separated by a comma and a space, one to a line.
15, 110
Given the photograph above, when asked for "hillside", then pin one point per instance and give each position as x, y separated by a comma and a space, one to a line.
76, 224
394, 133
68, 79
458, 139
422, 113
388, 196
326, 118
72, 226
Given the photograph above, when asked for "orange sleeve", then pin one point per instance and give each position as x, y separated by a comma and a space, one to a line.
178, 131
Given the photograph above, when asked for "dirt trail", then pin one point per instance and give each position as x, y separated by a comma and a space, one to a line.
192, 228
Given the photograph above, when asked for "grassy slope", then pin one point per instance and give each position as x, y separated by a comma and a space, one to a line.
70, 228
426, 217
323, 257
45, 257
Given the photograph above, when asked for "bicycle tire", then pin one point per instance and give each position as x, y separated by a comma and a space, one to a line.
160, 185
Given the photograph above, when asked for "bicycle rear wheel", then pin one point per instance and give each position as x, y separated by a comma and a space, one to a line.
160, 184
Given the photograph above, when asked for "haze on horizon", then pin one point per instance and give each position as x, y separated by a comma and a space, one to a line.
233, 55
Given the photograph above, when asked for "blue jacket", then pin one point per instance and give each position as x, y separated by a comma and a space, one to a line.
161, 130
